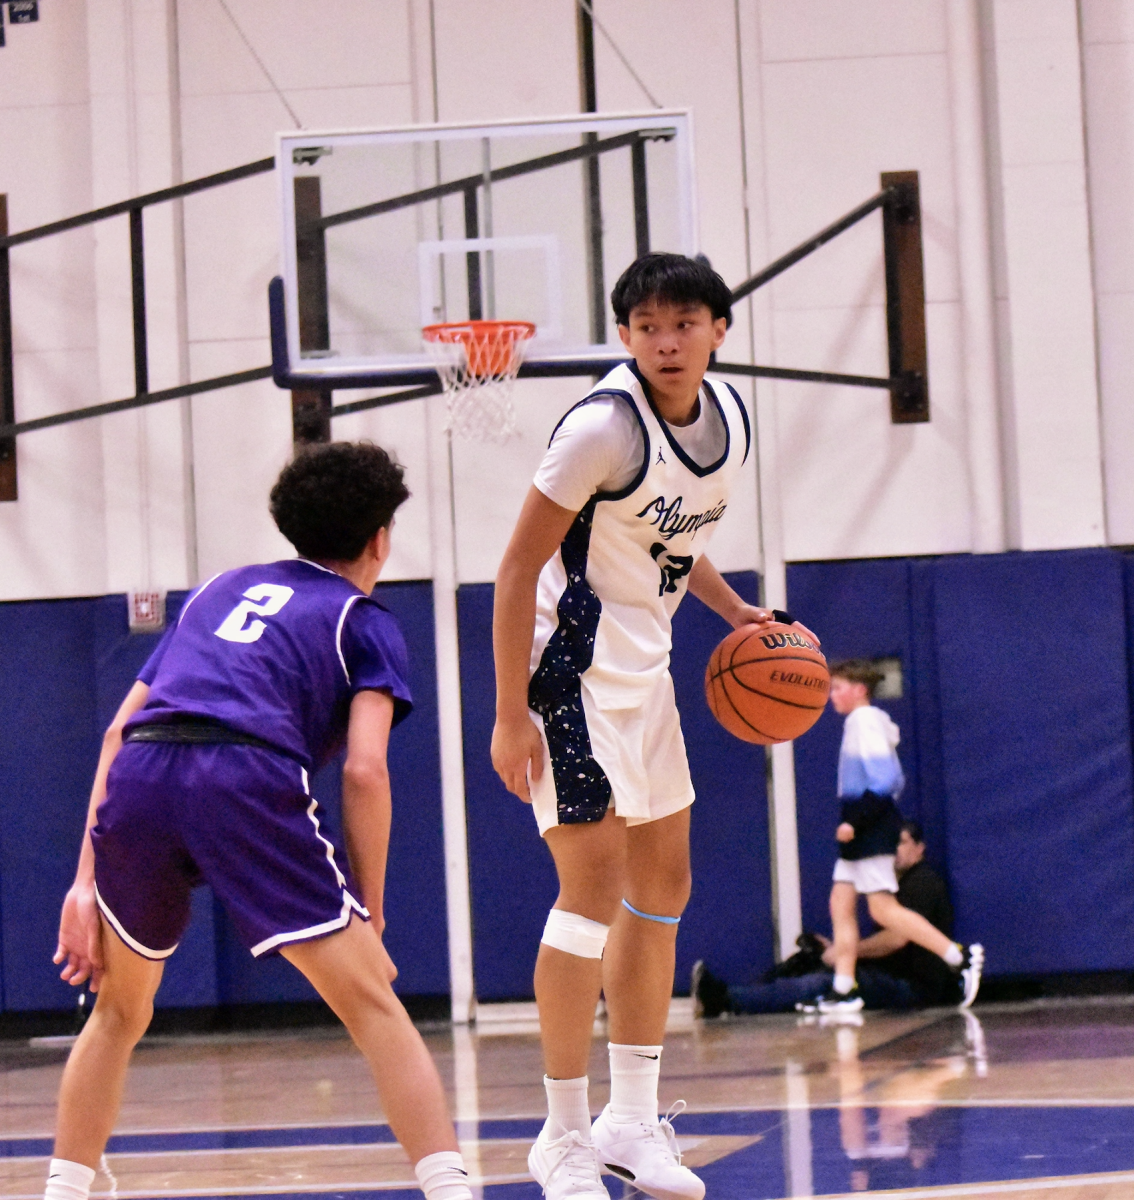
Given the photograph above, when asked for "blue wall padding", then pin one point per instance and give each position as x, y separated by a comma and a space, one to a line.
1035, 719
512, 878
49, 745
1016, 741
416, 933
857, 610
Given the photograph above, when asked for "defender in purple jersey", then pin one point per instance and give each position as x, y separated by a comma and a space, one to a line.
203, 777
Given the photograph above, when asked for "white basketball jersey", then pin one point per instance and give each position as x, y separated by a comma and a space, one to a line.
605, 601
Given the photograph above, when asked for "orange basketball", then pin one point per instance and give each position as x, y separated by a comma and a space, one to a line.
767, 684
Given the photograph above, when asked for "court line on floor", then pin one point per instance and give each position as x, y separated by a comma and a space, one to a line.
1004, 1188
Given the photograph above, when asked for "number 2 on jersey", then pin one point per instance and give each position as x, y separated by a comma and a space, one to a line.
260, 600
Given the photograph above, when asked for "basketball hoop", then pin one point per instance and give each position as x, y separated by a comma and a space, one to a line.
478, 379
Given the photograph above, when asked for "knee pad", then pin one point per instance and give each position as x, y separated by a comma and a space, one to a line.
574, 934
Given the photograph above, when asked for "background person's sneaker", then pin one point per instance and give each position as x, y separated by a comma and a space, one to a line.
841, 1002
971, 970
710, 994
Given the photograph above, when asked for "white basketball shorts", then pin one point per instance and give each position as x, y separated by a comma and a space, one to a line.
629, 759
874, 874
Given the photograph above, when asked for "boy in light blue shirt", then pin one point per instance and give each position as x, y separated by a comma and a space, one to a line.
869, 781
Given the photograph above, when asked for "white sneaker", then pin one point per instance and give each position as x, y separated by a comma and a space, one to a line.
646, 1156
971, 970
567, 1167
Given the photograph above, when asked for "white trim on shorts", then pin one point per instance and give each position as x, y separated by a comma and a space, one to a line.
314, 931
133, 943
869, 875
350, 904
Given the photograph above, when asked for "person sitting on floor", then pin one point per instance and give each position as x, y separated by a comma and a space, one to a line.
892, 972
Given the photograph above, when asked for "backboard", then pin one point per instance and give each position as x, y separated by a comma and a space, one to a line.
385, 231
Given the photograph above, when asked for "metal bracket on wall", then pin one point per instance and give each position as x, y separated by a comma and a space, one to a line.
905, 298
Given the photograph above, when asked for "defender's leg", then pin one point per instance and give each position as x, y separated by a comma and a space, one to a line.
353, 973
90, 1094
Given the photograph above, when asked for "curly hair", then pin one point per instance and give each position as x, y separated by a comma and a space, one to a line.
671, 279
331, 499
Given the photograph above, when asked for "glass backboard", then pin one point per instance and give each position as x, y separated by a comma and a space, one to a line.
388, 230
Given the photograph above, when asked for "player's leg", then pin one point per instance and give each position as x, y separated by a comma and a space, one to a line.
350, 970
844, 995
844, 925
90, 1094
590, 862
639, 962
589, 859
638, 982
967, 961
886, 911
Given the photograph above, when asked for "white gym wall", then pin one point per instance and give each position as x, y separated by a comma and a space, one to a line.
1029, 245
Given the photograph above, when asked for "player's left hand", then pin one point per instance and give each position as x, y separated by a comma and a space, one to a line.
80, 938
845, 832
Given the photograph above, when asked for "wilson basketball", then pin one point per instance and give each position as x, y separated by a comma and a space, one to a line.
767, 684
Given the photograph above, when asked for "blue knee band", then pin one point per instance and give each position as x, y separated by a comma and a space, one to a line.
649, 916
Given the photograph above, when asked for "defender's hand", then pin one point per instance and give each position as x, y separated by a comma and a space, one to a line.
515, 745
845, 832
80, 938
391, 970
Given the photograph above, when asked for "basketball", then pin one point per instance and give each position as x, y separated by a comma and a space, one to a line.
767, 684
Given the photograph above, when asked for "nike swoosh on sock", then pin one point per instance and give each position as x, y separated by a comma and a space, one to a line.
651, 1056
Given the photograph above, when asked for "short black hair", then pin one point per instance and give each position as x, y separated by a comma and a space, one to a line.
331, 499
671, 279
914, 829
858, 670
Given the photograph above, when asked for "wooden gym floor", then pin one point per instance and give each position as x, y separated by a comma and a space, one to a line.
1035, 1102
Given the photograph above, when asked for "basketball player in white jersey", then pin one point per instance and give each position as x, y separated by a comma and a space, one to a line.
610, 537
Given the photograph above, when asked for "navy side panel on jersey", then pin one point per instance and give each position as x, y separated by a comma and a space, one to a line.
277, 651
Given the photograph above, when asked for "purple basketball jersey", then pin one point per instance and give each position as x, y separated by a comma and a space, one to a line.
277, 651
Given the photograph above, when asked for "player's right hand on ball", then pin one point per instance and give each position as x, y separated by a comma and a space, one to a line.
516, 746
80, 938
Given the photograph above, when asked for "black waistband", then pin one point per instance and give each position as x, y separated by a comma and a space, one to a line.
197, 733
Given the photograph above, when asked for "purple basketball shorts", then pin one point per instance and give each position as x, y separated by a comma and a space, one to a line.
238, 818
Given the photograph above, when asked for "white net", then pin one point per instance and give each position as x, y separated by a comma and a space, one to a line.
477, 362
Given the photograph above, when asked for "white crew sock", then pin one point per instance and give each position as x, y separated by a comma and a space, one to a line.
634, 1083
567, 1108
443, 1176
844, 984
954, 956
68, 1180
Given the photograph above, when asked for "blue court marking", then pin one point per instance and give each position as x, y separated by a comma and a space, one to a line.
896, 1147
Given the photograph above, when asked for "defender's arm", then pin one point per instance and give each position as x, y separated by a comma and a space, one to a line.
79, 948
367, 804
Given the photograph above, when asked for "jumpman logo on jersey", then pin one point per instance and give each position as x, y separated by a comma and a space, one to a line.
660, 458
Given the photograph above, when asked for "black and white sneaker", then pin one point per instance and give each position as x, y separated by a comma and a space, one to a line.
972, 967
710, 994
840, 1002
